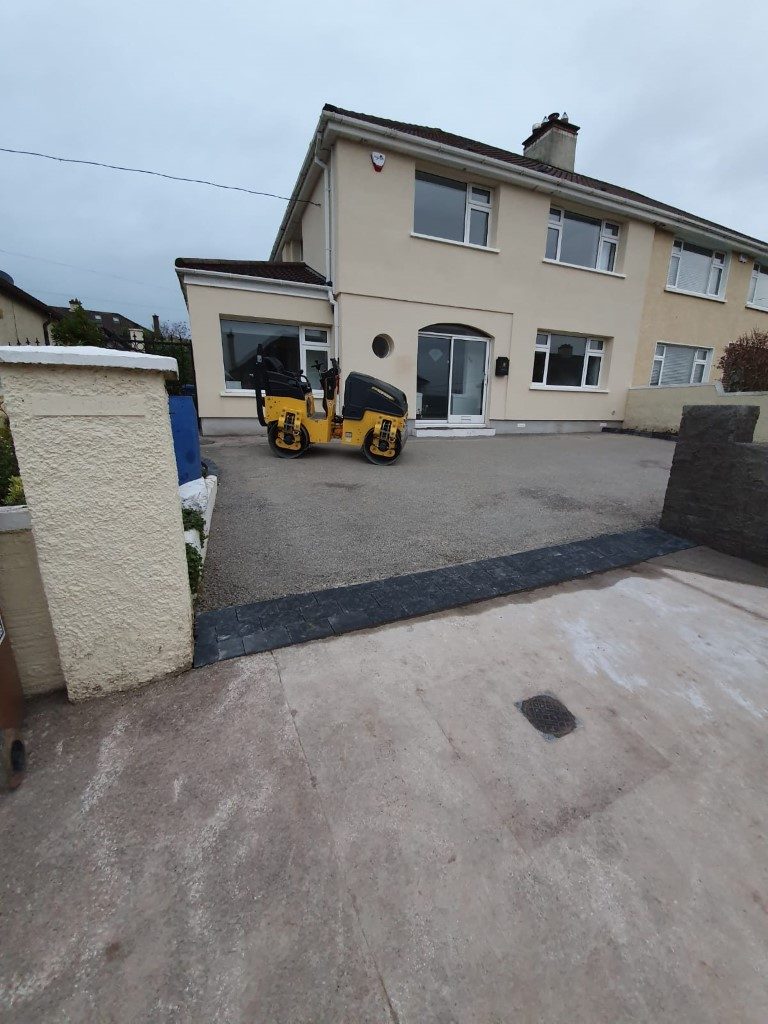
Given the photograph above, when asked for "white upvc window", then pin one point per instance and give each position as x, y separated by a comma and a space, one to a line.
680, 365
567, 361
478, 216
298, 348
314, 353
696, 270
758, 287
457, 211
582, 241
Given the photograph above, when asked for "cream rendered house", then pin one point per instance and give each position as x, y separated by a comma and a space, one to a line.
24, 320
501, 292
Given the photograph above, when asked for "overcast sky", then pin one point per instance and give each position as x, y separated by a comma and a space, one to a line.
669, 97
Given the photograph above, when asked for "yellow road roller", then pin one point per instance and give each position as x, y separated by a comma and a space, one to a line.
373, 416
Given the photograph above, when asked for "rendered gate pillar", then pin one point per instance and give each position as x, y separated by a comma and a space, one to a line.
93, 441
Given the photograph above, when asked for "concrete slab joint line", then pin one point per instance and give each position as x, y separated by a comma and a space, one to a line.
282, 622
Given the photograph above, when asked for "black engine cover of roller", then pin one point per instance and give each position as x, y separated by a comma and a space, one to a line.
369, 394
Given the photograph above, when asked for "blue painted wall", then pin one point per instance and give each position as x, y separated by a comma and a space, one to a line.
186, 440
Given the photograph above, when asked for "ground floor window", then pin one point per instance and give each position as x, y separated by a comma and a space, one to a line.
299, 349
567, 361
679, 365
451, 374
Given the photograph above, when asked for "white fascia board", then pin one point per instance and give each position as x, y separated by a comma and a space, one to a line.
86, 355
305, 184
343, 126
245, 283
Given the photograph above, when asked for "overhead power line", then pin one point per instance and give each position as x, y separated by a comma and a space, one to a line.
155, 174
86, 270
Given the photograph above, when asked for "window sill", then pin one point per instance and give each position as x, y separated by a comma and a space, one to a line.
692, 384
760, 309
589, 270
559, 387
693, 295
238, 393
452, 241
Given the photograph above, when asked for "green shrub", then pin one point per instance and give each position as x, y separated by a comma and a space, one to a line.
194, 567
15, 493
9, 467
193, 520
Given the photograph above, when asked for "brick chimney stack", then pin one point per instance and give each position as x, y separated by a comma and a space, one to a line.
156, 324
553, 141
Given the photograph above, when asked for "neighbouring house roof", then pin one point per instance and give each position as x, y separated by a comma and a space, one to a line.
450, 142
17, 294
274, 270
109, 321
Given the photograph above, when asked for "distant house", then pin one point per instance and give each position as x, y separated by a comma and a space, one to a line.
24, 320
118, 330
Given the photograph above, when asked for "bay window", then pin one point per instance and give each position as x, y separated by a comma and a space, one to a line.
582, 241
696, 270
567, 361
299, 349
758, 287
452, 210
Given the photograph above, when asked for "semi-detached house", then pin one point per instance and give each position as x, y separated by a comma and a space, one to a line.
500, 291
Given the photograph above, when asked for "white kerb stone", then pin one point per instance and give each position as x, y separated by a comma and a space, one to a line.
194, 494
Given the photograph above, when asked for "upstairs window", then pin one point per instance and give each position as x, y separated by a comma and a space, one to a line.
453, 210
567, 361
678, 365
696, 270
758, 287
582, 241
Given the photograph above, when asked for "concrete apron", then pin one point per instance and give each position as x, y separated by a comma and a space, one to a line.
366, 828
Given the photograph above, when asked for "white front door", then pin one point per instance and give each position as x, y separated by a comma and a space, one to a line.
451, 379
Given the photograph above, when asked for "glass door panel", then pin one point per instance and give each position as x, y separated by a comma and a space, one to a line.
315, 363
433, 371
468, 380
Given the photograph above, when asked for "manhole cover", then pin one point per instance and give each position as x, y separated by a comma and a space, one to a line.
548, 715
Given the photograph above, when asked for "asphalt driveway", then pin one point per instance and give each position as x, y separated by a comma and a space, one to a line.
330, 518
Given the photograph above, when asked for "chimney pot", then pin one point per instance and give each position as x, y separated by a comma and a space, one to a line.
553, 141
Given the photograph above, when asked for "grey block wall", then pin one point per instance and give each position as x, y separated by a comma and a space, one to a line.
718, 485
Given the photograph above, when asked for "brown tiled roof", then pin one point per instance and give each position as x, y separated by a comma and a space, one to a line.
505, 156
298, 273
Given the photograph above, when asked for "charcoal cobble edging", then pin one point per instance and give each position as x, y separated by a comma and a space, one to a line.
284, 621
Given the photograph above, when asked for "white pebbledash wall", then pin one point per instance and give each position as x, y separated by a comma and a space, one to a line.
95, 451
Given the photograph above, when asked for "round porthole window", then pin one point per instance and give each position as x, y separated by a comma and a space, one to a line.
382, 345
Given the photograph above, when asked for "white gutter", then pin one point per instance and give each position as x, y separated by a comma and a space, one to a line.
348, 127
303, 185
257, 283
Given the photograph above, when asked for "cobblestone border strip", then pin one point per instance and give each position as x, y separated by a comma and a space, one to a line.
283, 621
